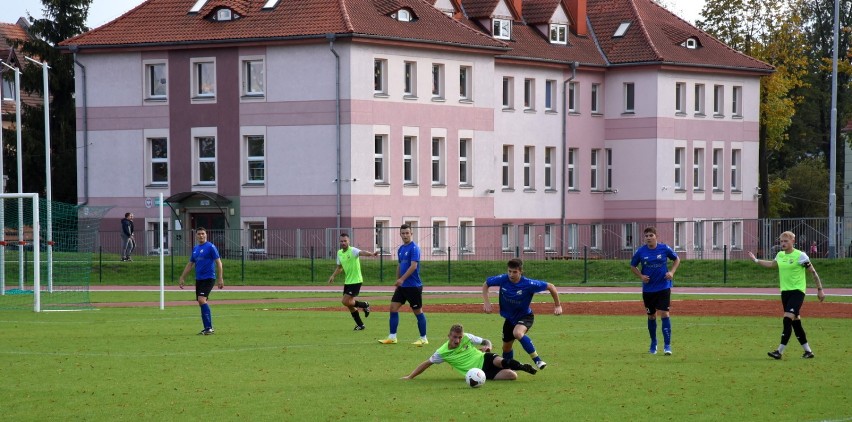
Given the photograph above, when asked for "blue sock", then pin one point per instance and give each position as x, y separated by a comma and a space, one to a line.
526, 343
206, 317
667, 331
652, 330
509, 355
394, 322
421, 324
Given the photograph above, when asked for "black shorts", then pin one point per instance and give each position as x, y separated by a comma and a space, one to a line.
792, 301
655, 301
352, 289
204, 287
489, 368
509, 327
414, 296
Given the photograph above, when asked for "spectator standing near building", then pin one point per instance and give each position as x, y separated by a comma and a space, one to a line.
128, 243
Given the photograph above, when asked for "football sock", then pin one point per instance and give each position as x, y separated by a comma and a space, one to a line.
807, 347
667, 331
357, 317
509, 355
359, 304
800, 332
394, 323
781, 348
206, 317
652, 330
421, 324
511, 364
527, 344
788, 329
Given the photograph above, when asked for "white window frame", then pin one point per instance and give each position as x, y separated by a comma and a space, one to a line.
529, 238
718, 177
717, 235
699, 100
508, 177
737, 102
465, 162
438, 148
152, 161
698, 169
549, 238
380, 158
679, 157
437, 81
529, 94
466, 83
409, 160
247, 76
595, 236
608, 170
680, 98
549, 168
409, 79
550, 95
251, 179
736, 163
508, 93
199, 93
629, 97
506, 237
148, 82
529, 168
573, 181
628, 231
679, 235
252, 227
439, 236
380, 77
596, 98
736, 235
698, 235
467, 241
718, 100
152, 236
573, 97
573, 236
558, 33
501, 28
382, 235
594, 169
196, 135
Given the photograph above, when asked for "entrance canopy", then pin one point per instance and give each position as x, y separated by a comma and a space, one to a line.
219, 201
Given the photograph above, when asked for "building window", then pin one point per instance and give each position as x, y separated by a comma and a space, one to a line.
508, 97
717, 169
437, 81
437, 161
256, 157
508, 176
572, 168
159, 148
409, 160
8, 89
737, 102
680, 98
506, 237
204, 78
596, 98
380, 76
256, 236
699, 99
464, 162
529, 238
380, 151
465, 79
627, 231
253, 77
403, 15
679, 235
410, 79
593, 174
549, 243
550, 95
736, 235
381, 237
529, 168
558, 34
736, 156
438, 236
155, 81
621, 30
608, 174
698, 169
698, 235
595, 236
154, 237
549, 170
529, 94
717, 239
678, 167
415, 230
466, 236
573, 91
573, 236
502, 29
629, 97
718, 100
206, 149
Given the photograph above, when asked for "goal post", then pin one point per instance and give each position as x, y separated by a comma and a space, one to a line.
21, 241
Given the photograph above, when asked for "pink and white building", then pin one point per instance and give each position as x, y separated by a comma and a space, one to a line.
265, 114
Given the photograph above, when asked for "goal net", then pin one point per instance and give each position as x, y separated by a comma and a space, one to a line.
47, 251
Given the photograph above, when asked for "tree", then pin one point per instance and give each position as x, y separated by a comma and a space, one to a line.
62, 19
808, 183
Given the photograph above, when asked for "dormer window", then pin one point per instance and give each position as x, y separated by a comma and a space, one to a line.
558, 34
223, 15
622, 29
690, 43
403, 15
502, 29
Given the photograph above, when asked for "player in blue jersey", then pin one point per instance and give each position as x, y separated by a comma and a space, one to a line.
516, 293
208, 271
656, 285
408, 287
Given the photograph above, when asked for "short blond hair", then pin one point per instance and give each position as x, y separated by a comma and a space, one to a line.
457, 328
787, 235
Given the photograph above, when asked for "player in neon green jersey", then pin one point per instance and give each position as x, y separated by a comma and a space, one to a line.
461, 352
792, 264
348, 261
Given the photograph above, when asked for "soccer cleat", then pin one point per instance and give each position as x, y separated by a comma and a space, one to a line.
359, 328
388, 341
541, 365
653, 349
206, 332
528, 369
420, 342
774, 354
667, 350
129, 259
366, 310
808, 355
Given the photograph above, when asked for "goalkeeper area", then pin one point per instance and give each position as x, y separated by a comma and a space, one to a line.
47, 250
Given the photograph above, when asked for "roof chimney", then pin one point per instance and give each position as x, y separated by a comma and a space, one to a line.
518, 4
577, 11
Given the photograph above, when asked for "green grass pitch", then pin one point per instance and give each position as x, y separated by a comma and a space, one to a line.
265, 364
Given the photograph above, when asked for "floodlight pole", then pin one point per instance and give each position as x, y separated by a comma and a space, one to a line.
20, 175
832, 168
48, 172
2, 204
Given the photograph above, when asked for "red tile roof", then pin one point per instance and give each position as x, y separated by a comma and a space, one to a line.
655, 36
158, 22
530, 44
9, 31
539, 11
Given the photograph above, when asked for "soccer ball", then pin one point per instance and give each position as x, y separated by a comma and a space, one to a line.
475, 378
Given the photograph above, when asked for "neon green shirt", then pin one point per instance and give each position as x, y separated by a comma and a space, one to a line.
791, 270
462, 358
348, 259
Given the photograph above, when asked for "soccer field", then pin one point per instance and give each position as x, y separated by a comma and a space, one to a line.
268, 364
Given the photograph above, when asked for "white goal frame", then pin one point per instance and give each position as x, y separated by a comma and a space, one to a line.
36, 245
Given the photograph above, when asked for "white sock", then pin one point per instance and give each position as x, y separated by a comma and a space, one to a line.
781, 348
807, 347
392, 336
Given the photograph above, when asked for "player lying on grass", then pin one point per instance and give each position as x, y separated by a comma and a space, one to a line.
461, 352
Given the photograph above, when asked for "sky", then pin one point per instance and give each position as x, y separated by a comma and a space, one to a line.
103, 11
